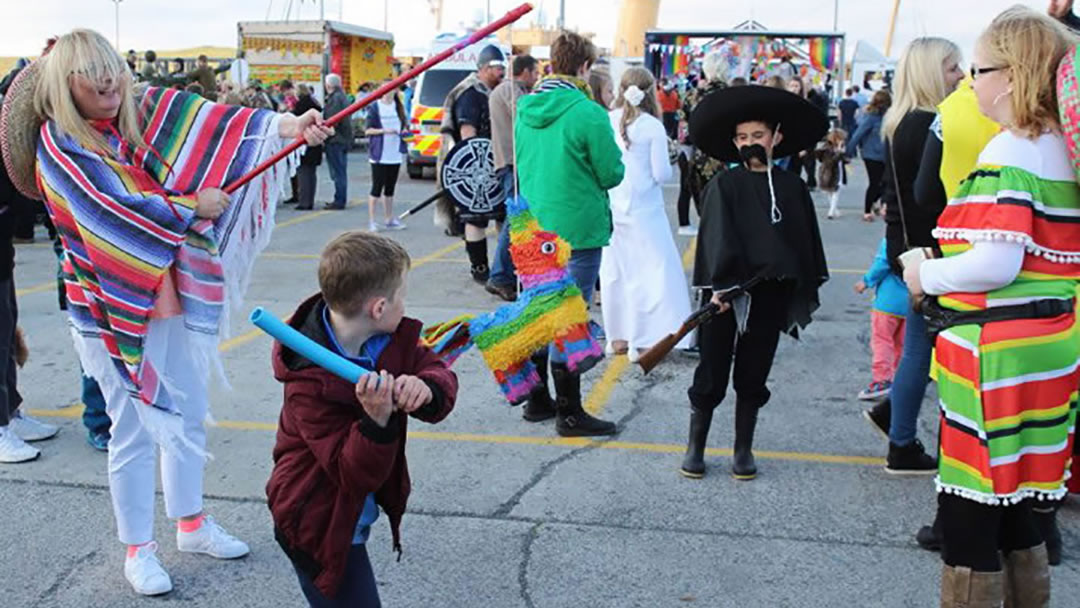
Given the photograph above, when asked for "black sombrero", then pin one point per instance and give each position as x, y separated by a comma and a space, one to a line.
713, 122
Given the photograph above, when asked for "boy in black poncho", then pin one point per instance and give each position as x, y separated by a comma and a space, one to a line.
757, 221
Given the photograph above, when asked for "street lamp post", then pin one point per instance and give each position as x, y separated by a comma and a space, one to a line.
117, 4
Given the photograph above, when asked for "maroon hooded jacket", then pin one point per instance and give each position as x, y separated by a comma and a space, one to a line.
330, 455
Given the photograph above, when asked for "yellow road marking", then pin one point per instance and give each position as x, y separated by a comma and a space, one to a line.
688, 255
240, 340
601, 391
46, 286
307, 217
74, 411
71, 411
418, 262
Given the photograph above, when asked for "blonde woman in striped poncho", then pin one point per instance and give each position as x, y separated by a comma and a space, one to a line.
1007, 382
154, 251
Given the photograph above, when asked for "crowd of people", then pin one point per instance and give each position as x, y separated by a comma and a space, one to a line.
975, 278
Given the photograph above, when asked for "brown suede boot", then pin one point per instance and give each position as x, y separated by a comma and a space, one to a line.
1027, 575
964, 588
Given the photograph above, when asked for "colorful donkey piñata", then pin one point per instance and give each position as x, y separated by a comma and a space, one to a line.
550, 309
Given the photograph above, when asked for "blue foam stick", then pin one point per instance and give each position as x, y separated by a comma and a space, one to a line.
306, 347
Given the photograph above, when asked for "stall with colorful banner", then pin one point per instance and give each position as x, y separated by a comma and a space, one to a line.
305, 51
752, 52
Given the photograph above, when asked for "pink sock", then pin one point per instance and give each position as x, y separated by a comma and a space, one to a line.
133, 549
190, 525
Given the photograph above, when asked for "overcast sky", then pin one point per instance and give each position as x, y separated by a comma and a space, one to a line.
170, 24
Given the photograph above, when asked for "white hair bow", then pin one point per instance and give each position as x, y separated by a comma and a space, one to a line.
634, 95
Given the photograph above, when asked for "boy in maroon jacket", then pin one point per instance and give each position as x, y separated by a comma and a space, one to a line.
340, 451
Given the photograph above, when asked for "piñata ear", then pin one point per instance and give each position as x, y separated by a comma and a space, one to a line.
1068, 91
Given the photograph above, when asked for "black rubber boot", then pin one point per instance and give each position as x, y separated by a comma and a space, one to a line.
478, 258
572, 419
693, 464
930, 537
1046, 520
743, 467
539, 406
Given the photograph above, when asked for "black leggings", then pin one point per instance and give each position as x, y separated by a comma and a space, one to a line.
383, 179
875, 171
686, 192
974, 533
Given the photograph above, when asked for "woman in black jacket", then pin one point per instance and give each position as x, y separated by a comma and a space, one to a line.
928, 71
312, 158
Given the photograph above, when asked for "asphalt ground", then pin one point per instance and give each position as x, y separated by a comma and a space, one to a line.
503, 512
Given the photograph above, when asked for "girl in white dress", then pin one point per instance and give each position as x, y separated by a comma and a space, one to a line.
641, 274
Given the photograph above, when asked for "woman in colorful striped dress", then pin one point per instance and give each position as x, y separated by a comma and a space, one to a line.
1008, 372
154, 251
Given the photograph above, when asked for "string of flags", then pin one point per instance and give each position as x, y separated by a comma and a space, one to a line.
822, 51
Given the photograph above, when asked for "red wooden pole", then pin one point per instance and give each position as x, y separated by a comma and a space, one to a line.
476, 36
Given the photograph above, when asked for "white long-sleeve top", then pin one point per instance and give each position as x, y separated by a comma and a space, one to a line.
647, 163
987, 266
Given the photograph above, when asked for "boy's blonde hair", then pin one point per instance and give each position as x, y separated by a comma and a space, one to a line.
359, 265
920, 80
88, 53
836, 137
1031, 46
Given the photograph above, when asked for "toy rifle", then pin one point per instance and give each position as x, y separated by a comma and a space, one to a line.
656, 354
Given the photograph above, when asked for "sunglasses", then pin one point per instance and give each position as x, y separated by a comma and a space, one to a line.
976, 72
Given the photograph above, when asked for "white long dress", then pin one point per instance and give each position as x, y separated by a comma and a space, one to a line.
645, 294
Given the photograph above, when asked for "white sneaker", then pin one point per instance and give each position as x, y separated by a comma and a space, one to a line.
144, 572
690, 230
13, 449
29, 429
374, 227
212, 540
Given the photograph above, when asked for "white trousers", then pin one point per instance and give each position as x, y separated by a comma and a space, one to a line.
834, 200
132, 451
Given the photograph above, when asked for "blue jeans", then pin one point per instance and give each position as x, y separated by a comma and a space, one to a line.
503, 272
336, 160
357, 589
94, 417
910, 380
584, 268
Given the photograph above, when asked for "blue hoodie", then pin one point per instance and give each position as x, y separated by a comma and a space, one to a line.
892, 295
867, 138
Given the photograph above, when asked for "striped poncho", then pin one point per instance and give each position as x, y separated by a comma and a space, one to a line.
1008, 389
126, 221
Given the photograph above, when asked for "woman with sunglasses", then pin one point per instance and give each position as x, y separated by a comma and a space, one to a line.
151, 258
1008, 348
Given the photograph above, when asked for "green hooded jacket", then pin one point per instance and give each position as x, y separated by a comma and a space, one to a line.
567, 161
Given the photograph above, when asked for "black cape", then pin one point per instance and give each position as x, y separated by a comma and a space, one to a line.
738, 241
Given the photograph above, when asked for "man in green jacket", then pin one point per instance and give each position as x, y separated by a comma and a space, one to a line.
567, 161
